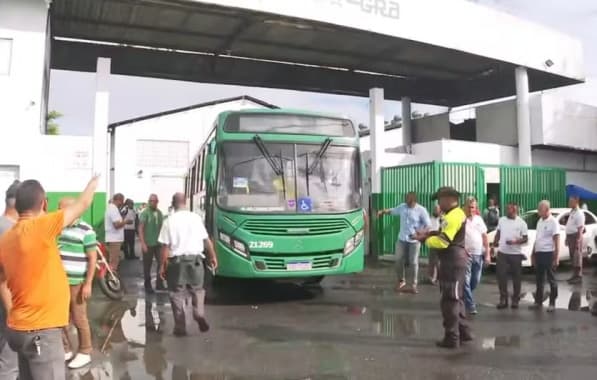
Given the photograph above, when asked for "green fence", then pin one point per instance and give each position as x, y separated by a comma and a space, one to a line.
525, 185
529, 185
94, 214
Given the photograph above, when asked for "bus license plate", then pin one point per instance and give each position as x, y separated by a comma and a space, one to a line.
299, 265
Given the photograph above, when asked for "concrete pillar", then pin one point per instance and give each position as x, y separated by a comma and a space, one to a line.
101, 149
376, 127
523, 116
112, 162
406, 121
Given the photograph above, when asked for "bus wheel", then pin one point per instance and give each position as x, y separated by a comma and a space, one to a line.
313, 280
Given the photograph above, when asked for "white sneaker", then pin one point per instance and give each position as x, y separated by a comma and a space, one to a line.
81, 360
68, 356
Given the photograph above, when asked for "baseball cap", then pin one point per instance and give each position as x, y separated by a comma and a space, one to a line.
445, 191
11, 192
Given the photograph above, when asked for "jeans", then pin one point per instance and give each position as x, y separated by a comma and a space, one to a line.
544, 268
129, 244
472, 279
509, 265
9, 365
180, 293
45, 364
78, 315
407, 261
148, 257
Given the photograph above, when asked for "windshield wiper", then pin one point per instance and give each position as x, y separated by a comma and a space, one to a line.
268, 157
282, 175
320, 154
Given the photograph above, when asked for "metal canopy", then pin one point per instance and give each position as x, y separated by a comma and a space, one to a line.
204, 42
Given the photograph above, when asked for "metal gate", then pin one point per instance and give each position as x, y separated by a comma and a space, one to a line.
424, 179
525, 185
529, 185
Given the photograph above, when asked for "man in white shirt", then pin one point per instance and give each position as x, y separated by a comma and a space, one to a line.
575, 227
129, 230
545, 257
477, 246
433, 266
114, 225
511, 234
184, 240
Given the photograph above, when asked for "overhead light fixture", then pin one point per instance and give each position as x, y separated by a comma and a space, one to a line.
288, 24
549, 63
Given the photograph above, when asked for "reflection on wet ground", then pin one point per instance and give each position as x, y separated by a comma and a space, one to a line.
352, 327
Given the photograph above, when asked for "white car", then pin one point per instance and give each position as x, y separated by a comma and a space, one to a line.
589, 247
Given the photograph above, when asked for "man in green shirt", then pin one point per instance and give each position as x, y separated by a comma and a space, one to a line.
150, 224
77, 245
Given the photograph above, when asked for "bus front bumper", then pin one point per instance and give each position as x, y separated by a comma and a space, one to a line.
230, 264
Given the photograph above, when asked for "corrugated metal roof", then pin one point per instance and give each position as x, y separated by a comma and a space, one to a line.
188, 108
207, 42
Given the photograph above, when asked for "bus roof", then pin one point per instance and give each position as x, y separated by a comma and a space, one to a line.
282, 111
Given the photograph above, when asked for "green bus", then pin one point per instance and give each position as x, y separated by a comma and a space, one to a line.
281, 194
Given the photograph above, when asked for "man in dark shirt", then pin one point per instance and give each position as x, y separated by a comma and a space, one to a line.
449, 241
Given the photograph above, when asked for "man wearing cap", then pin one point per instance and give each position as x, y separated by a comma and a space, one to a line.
9, 368
449, 241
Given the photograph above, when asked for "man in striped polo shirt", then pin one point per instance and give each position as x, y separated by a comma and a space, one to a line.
77, 245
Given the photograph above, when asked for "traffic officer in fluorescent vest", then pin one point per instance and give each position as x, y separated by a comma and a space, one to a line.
184, 240
449, 241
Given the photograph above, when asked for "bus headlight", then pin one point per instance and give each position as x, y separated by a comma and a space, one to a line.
240, 248
236, 245
225, 238
353, 242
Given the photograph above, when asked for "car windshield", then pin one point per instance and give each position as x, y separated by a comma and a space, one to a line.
532, 218
264, 177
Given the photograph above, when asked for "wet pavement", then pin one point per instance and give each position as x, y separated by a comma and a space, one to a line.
352, 327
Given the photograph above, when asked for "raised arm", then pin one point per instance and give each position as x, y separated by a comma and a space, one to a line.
78, 207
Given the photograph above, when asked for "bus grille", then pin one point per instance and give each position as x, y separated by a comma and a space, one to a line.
321, 262
295, 227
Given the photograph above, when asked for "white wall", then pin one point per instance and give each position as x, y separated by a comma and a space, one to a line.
60, 163
192, 126
588, 180
431, 128
567, 123
496, 123
21, 91
474, 152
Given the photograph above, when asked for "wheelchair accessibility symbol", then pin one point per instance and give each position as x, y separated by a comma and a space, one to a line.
305, 205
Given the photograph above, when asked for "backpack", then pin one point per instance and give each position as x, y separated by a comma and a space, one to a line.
492, 217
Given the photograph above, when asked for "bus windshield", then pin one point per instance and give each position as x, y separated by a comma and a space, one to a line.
290, 124
319, 180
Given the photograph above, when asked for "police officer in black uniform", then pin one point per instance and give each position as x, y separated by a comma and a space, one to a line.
449, 242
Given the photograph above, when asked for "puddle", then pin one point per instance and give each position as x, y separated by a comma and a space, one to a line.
500, 341
569, 299
394, 324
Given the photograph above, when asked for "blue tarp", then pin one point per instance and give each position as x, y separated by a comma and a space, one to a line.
581, 192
